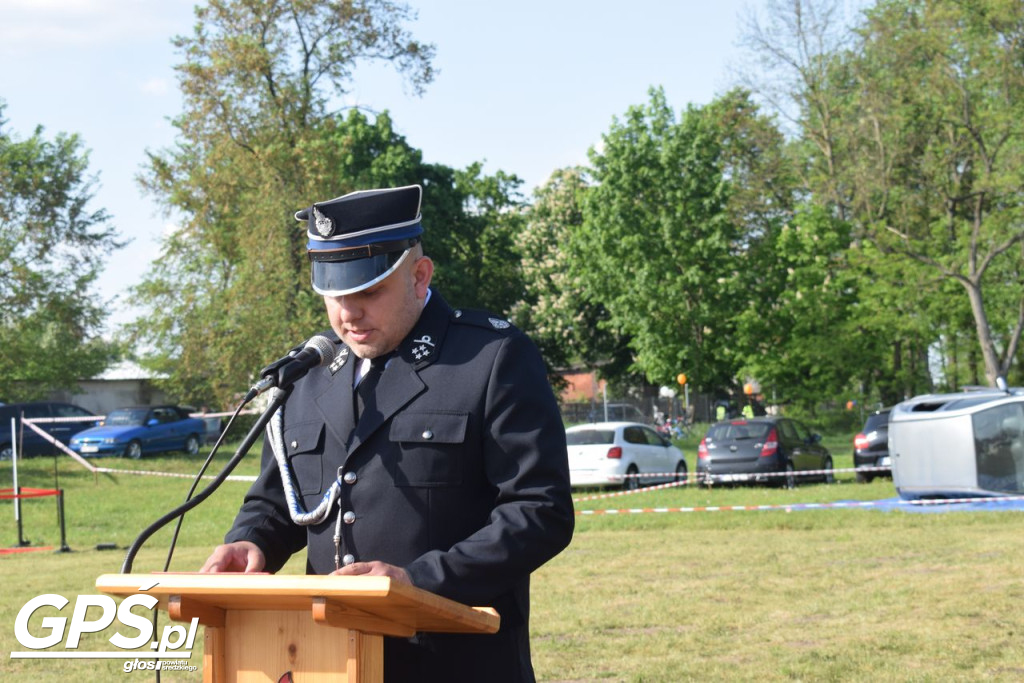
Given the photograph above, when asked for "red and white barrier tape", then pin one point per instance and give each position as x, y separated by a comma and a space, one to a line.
79, 459
112, 470
800, 506
97, 418
180, 475
795, 473
698, 477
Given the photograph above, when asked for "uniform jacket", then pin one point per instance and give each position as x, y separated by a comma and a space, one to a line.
457, 471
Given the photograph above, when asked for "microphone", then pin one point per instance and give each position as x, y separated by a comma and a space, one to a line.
318, 352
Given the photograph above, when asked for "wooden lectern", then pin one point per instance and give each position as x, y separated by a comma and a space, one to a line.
320, 628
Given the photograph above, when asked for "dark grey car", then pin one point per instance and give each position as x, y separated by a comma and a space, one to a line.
762, 449
871, 446
34, 444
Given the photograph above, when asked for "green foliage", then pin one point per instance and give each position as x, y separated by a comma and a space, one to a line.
933, 130
672, 232
656, 247
803, 336
52, 248
567, 325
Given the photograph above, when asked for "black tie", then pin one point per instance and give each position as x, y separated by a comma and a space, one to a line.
365, 391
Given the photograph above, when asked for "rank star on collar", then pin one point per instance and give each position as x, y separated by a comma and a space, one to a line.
424, 346
339, 361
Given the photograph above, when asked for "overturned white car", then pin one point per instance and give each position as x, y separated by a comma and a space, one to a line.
958, 445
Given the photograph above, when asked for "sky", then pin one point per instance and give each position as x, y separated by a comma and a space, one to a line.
525, 87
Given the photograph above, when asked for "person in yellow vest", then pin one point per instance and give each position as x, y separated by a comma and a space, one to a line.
748, 409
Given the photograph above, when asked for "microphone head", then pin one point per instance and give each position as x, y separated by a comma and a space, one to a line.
324, 348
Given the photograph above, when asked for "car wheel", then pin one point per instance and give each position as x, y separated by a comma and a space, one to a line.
829, 477
192, 445
133, 450
6, 452
681, 472
864, 477
631, 482
789, 480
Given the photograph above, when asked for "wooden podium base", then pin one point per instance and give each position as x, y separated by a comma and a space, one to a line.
307, 650
260, 627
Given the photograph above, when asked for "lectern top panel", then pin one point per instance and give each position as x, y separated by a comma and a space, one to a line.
376, 596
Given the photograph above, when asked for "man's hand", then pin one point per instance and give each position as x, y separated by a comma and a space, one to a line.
240, 556
374, 569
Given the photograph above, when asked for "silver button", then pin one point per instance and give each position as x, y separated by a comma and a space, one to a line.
295, 444
350, 478
348, 559
428, 435
349, 517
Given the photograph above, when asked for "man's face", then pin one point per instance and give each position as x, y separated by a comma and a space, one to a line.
373, 322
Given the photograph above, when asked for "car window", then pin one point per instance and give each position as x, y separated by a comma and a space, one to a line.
589, 437
999, 446
126, 416
877, 422
36, 410
65, 410
738, 430
787, 431
653, 438
634, 435
165, 415
802, 432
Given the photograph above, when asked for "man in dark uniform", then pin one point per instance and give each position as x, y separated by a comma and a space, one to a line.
446, 468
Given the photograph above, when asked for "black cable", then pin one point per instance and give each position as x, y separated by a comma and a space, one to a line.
278, 397
197, 479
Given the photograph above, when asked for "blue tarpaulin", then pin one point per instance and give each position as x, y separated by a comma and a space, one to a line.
948, 505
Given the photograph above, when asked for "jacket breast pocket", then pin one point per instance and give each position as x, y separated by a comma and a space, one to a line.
303, 444
430, 448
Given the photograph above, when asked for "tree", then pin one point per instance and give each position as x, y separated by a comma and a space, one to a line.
658, 248
801, 331
912, 132
938, 147
52, 248
568, 326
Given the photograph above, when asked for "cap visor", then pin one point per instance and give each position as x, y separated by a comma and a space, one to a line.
340, 278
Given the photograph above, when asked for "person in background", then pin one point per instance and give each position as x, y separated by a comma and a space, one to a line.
431, 450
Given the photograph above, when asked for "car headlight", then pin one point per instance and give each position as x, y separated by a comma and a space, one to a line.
110, 440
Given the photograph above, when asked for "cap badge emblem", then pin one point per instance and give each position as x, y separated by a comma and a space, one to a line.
499, 324
324, 224
339, 361
421, 350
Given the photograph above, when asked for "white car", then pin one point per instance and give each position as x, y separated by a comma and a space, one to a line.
958, 445
626, 454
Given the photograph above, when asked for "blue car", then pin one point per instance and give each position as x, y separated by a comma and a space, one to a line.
146, 429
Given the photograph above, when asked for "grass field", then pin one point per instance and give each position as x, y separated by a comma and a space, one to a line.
806, 595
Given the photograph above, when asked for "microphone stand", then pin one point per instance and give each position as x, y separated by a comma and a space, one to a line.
277, 399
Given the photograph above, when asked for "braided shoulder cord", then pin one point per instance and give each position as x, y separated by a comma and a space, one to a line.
295, 509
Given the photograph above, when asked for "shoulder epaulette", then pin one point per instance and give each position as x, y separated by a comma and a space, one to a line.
483, 319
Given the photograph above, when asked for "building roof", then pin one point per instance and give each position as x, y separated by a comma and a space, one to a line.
127, 370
